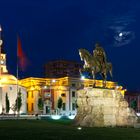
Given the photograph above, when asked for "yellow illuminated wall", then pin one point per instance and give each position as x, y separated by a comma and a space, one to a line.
62, 87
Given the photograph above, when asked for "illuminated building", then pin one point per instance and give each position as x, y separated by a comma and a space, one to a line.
8, 85
62, 68
50, 91
3, 64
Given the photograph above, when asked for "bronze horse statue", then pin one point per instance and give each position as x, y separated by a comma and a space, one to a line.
93, 66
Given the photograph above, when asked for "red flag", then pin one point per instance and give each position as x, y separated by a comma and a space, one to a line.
22, 60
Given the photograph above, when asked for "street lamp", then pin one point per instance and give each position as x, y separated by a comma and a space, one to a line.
82, 77
53, 80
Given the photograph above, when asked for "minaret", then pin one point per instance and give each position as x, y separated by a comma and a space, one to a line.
3, 68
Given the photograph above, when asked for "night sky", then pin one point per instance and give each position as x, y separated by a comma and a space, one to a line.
56, 29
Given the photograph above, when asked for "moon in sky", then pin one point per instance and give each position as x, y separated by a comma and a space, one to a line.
120, 34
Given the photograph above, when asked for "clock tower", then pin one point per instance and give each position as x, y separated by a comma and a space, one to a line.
3, 67
3, 63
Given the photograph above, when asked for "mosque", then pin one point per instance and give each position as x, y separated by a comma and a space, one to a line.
9, 86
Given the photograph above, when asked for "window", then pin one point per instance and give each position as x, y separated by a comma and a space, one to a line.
10, 88
64, 106
73, 106
73, 93
32, 107
63, 94
64, 82
47, 95
73, 85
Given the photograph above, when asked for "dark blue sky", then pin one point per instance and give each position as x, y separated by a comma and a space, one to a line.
56, 29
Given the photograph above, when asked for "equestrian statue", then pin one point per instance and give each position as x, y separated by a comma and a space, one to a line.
96, 63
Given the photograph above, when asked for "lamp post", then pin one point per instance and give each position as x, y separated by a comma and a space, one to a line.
82, 77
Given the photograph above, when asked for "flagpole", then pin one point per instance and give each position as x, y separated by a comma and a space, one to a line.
20, 64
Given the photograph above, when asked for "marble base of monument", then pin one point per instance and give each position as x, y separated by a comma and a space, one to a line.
99, 107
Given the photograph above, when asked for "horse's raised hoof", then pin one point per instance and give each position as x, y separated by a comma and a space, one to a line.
104, 85
94, 85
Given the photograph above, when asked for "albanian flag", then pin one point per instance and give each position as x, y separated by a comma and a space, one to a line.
22, 60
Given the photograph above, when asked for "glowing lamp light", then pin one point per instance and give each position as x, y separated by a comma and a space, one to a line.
138, 114
45, 87
55, 117
79, 128
71, 117
53, 81
82, 77
117, 87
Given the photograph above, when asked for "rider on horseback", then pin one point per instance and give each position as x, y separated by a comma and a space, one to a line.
96, 63
100, 55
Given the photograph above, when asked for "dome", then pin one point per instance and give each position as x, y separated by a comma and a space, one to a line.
8, 79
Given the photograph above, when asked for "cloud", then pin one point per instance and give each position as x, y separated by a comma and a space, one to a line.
126, 38
123, 25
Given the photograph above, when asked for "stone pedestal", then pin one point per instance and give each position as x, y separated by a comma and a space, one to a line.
102, 108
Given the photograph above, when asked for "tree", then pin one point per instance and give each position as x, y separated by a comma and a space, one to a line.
40, 103
134, 104
13, 108
60, 103
7, 103
18, 102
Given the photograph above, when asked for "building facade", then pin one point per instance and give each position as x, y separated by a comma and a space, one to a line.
9, 86
62, 68
41, 95
50, 90
3, 64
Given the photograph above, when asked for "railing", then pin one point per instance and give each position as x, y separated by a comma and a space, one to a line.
15, 117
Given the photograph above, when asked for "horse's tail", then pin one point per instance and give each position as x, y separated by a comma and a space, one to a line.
110, 69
